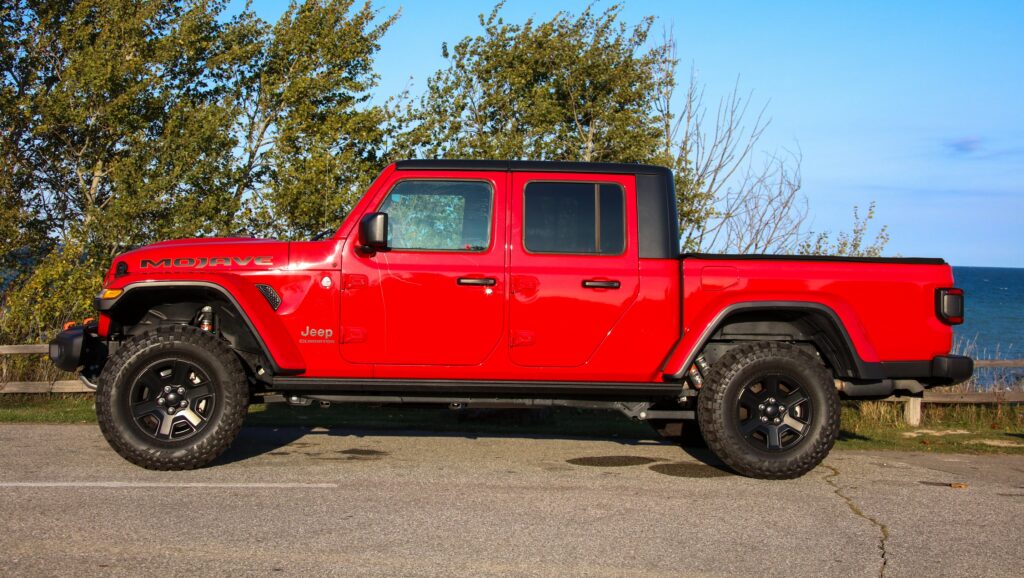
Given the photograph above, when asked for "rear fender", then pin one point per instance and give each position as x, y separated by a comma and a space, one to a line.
844, 356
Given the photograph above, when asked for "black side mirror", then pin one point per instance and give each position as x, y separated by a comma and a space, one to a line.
373, 232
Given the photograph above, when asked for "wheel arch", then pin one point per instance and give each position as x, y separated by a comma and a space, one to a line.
146, 305
809, 323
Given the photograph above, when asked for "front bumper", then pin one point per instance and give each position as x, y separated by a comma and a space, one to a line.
79, 347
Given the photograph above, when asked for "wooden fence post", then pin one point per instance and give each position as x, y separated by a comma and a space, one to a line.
912, 411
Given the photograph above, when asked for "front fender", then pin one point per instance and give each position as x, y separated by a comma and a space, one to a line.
267, 329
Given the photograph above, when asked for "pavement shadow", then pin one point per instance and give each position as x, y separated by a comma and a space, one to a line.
274, 429
256, 441
268, 433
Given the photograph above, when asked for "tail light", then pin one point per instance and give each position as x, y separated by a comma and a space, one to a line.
949, 305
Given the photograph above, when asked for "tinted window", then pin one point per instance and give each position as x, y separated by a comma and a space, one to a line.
574, 218
439, 215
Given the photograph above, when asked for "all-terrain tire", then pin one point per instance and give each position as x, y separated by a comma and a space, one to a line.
206, 355
739, 374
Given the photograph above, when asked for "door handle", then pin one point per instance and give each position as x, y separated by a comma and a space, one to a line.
595, 284
481, 281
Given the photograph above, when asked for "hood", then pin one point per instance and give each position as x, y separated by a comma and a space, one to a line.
181, 255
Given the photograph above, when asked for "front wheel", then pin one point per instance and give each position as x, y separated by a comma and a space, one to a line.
172, 399
769, 410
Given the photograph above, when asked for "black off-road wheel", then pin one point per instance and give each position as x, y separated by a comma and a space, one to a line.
172, 399
769, 410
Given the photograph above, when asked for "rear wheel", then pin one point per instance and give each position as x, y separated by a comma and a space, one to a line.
172, 399
769, 410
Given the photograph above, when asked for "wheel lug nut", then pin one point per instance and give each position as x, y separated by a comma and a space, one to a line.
183, 403
761, 406
181, 391
764, 418
777, 420
160, 401
171, 409
167, 389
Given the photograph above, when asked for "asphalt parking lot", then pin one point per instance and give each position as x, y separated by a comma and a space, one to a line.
301, 501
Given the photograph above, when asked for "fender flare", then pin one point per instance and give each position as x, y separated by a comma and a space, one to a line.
283, 355
862, 369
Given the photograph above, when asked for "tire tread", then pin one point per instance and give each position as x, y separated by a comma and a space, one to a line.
234, 399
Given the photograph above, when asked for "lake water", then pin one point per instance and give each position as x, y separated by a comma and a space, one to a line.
994, 315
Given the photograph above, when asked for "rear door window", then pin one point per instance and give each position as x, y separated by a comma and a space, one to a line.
574, 218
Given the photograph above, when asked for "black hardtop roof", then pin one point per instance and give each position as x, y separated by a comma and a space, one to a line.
530, 166
655, 193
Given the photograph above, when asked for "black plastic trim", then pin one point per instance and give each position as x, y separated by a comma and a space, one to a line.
79, 346
658, 225
529, 166
609, 390
895, 260
105, 305
599, 284
270, 295
941, 370
477, 281
66, 349
861, 369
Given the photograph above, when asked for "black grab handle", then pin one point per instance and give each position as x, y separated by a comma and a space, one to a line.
595, 284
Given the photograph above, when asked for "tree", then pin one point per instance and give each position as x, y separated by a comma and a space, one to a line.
126, 122
570, 88
310, 142
848, 243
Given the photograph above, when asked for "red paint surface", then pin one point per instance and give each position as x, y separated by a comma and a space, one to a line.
401, 314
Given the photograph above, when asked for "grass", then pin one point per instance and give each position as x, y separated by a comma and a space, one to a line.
865, 425
875, 425
47, 408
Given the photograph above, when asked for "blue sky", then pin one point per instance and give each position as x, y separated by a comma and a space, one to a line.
915, 105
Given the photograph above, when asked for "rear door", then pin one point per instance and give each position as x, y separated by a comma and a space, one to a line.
437, 296
574, 265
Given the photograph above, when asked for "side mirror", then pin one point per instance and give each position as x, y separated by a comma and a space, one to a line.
373, 232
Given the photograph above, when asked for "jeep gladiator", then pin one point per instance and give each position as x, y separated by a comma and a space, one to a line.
509, 282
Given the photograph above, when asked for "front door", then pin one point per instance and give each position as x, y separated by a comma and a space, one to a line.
437, 296
574, 265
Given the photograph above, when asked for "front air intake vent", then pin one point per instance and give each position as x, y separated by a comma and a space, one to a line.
272, 297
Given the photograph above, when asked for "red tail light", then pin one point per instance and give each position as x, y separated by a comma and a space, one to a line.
949, 305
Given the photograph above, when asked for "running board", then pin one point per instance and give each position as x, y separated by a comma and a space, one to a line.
616, 390
637, 410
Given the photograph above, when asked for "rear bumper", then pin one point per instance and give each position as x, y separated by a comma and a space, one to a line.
913, 376
941, 370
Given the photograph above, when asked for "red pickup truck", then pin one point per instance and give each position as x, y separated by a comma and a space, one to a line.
515, 282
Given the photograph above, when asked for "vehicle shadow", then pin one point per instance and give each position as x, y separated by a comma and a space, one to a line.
273, 428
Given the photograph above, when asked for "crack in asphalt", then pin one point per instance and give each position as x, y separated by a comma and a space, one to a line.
883, 530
